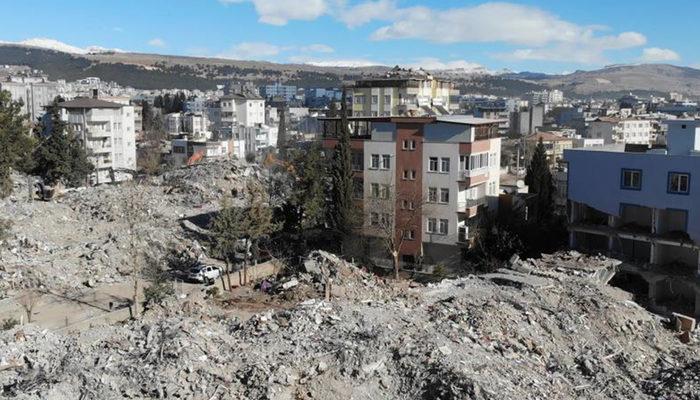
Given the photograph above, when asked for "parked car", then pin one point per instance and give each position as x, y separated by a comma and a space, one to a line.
204, 273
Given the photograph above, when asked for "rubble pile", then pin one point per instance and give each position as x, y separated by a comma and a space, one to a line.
81, 235
554, 332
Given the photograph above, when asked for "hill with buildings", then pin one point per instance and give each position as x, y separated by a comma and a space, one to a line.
154, 71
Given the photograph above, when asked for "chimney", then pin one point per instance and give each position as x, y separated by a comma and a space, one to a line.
95, 93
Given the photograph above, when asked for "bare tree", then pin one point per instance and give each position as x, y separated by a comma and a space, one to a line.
394, 217
28, 301
134, 213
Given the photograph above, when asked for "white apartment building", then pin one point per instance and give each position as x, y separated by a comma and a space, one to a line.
33, 95
197, 124
404, 93
173, 123
186, 151
250, 109
445, 169
615, 130
107, 129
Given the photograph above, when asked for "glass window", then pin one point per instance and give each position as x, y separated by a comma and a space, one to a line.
678, 183
432, 195
433, 164
386, 191
409, 234
358, 189
374, 219
444, 195
631, 179
432, 225
386, 161
444, 226
375, 161
375, 99
387, 99
445, 164
375, 190
358, 161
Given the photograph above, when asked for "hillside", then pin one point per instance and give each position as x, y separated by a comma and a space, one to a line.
622, 79
153, 71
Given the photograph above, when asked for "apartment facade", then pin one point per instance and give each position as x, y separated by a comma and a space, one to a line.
34, 95
615, 130
404, 93
108, 132
554, 145
641, 205
430, 176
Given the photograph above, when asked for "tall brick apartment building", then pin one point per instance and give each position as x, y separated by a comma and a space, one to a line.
431, 175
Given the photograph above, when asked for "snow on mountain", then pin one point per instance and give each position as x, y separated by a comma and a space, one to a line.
56, 45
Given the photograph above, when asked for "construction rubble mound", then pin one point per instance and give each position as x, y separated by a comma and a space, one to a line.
543, 329
80, 235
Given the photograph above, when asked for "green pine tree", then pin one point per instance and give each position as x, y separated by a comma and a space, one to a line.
539, 180
282, 134
342, 208
15, 143
61, 156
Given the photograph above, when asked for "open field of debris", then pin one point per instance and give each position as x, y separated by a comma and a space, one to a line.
544, 329
79, 238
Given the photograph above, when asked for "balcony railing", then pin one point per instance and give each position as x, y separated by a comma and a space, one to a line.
469, 203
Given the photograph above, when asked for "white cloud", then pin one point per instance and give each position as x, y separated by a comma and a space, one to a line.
156, 42
363, 13
251, 51
279, 12
317, 48
656, 54
53, 44
540, 34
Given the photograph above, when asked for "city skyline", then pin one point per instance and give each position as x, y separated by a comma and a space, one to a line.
542, 36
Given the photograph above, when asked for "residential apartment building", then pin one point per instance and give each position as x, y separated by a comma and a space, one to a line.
430, 176
186, 151
554, 145
287, 92
34, 95
404, 93
197, 124
643, 206
616, 130
107, 130
174, 123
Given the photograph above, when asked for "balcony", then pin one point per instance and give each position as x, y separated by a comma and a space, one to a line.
474, 177
470, 207
98, 133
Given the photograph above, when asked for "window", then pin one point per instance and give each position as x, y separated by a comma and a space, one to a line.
375, 161
678, 183
444, 226
358, 190
385, 219
432, 195
409, 145
433, 164
631, 179
385, 191
409, 234
444, 195
358, 161
374, 219
375, 99
359, 99
477, 161
386, 161
387, 99
375, 190
409, 175
445, 164
432, 225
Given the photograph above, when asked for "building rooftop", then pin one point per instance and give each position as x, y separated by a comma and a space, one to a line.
87, 102
468, 120
546, 137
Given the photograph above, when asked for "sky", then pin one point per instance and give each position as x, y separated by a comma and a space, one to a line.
542, 36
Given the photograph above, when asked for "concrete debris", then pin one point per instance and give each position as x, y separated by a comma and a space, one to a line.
78, 239
468, 338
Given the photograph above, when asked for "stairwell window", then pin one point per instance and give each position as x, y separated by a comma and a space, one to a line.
631, 179
678, 183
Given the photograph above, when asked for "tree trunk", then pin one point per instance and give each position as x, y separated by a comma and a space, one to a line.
245, 270
395, 257
228, 275
135, 298
223, 285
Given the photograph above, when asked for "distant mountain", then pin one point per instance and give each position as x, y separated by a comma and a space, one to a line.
153, 71
622, 79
